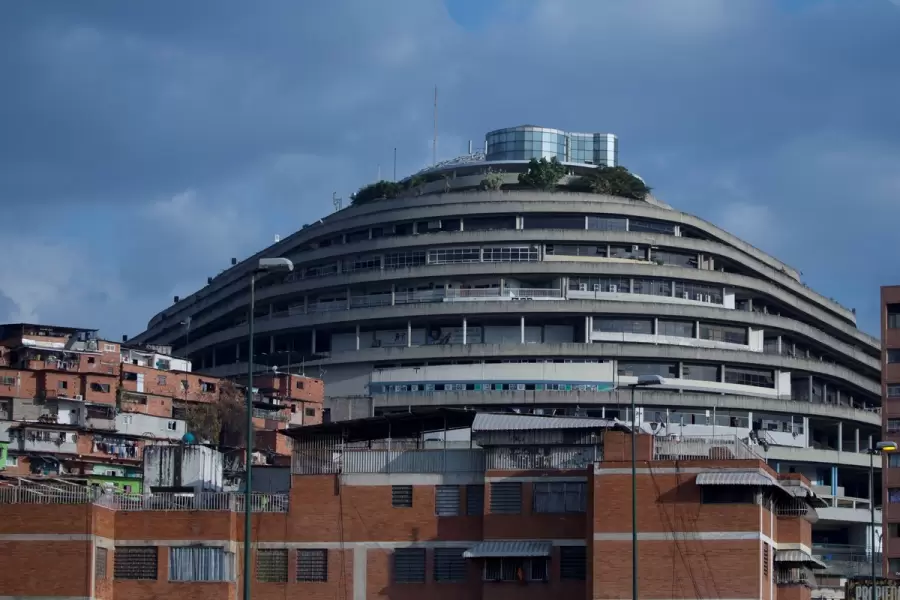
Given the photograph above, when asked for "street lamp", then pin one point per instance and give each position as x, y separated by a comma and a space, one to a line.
642, 381
879, 449
265, 265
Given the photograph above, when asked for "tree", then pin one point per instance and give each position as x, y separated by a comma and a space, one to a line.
614, 181
542, 174
376, 191
220, 419
492, 181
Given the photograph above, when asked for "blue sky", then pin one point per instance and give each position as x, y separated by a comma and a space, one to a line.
146, 143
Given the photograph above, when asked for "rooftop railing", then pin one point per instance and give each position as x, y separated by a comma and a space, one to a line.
352, 461
203, 501
686, 447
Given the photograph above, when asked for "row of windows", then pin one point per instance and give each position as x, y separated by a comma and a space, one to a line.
446, 256
450, 566
720, 333
506, 498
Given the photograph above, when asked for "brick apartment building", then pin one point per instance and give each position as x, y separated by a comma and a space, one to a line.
890, 374
390, 507
78, 407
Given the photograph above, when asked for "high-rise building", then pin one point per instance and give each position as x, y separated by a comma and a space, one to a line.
890, 381
468, 285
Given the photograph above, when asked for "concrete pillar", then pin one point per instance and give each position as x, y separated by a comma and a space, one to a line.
840, 436
699, 261
627, 224
722, 373
871, 443
696, 330
305, 311
608, 252
806, 432
810, 388
824, 392
271, 309
631, 285
655, 325
393, 297
381, 262
750, 419
271, 344
834, 481
778, 345
461, 223
348, 299
464, 332
750, 304
409, 334
357, 337
837, 397
672, 283
521, 330
313, 349
856, 440
587, 330
585, 221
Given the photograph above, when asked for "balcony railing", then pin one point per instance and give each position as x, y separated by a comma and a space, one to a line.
702, 448
272, 415
206, 501
845, 560
361, 461
575, 457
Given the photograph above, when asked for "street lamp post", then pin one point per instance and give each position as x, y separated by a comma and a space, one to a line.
879, 449
643, 381
265, 265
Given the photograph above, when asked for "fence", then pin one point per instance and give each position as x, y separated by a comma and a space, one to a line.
702, 448
577, 457
207, 501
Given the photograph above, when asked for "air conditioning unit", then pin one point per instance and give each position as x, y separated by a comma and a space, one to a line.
613, 288
78, 397
596, 287
582, 287
686, 295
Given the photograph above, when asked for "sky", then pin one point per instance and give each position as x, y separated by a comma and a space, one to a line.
143, 144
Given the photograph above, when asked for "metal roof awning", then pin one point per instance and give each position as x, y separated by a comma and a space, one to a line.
754, 478
511, 548
798, 557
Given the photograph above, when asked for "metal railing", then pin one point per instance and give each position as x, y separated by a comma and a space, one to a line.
535, 293
846, 560
209, 501
575, 457
686, 447
272, 415
309, 461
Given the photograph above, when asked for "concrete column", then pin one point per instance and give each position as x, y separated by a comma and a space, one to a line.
631, 285
381, 262
856, 440
871, 443
587, 330
357, 337
348, 298
806, 432
837, 397
824, 392
840, 436
464, 331
672, 283
585, 221
699, 261
655, 325
750, 420
415, 228
696, 330
271, 309
834, 481
461, 223
810, 388
393, 297
271, 344
521, 330
750, 304
778, 345
607, 251
627, 224
313, 349
722, 373
370, 233
409, 334
305, 311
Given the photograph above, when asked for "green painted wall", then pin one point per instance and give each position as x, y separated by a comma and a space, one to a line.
118, 483
3, 455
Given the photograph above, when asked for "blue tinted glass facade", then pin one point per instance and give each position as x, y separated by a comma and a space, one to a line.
527, 142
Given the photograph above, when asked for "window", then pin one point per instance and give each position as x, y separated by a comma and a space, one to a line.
272, 566
607, 223
62, 385
404, 260
700, 372
475, 500
299, 385
7, 380
893, 390
206, 386
172, 425
718, 494
894, 530
110, 348
185, 385
572, 563
449, 565
513, 254
100, 558
652, 287
506, 498
135, 562
558, 497
100, 387
129, 376
91, 360
515, 569
893, 316
309, 412
409, 565
676, 328
893, 459
13, 461
446, 500
446, 256
754, 377
401, 496
893, 356
893, 425
624, 325
200, 563
127, 419
765, 561
894, 495
161, 380
312, 565
723, 333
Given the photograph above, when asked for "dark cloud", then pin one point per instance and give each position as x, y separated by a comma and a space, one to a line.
153, 141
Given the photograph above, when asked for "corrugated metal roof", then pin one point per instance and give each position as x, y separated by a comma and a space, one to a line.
756, 478
797, 556
512, 422
501, 549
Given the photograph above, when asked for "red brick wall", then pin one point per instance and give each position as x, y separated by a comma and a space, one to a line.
168, 383
25, 385
62, 568
98, 395
338, 586
49, 382
159, 406
530, 525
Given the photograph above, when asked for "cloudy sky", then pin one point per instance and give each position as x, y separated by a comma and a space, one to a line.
143, 144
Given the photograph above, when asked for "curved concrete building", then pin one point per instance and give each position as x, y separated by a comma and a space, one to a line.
470, 289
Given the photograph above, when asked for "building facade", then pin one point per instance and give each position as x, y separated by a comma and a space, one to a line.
472, 289
76, 407
890, 339
535, 508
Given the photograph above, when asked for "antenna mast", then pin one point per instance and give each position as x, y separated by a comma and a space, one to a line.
336, 201
434, 143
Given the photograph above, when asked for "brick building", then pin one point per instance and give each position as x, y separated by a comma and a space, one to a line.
890, 376
78, 407
392, 507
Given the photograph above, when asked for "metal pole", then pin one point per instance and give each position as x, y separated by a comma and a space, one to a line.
249, 441
872, 513
634, 535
